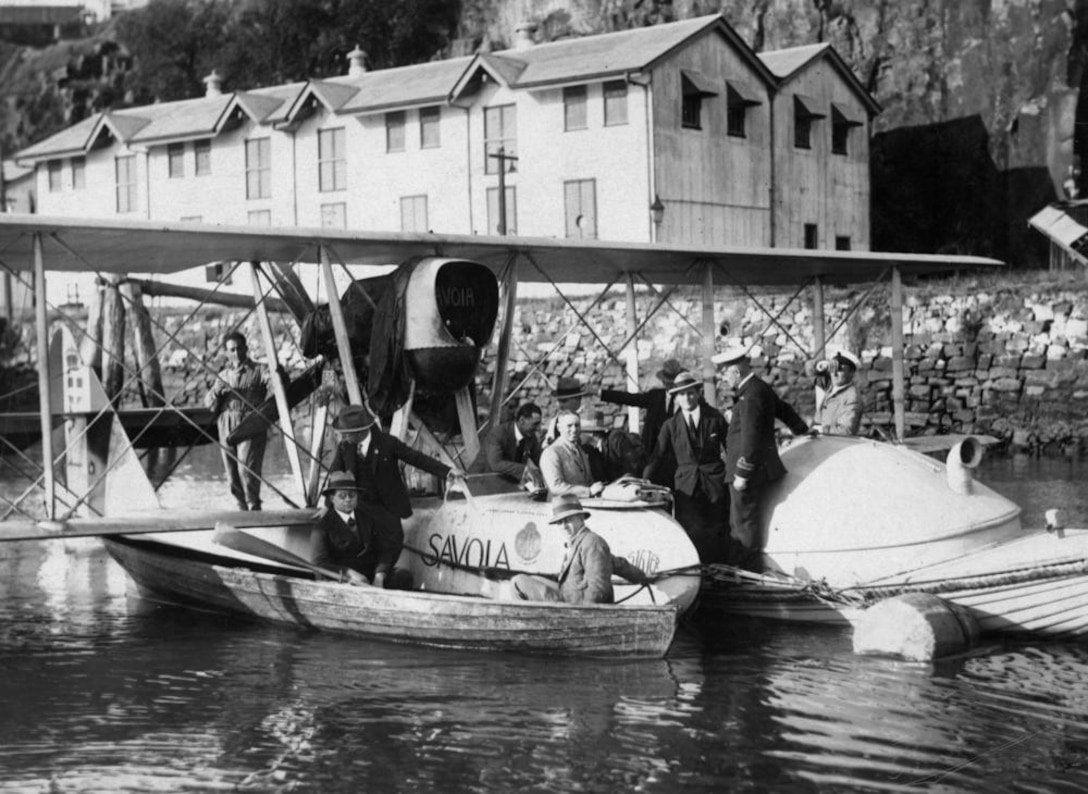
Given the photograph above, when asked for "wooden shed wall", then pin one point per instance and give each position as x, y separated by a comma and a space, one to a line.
715, 188
814, 186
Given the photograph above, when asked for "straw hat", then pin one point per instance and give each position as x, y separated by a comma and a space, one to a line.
564, 506
339, 481
683, 382
352, 419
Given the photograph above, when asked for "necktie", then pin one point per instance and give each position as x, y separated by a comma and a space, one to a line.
691, 426
351, 523
519, 453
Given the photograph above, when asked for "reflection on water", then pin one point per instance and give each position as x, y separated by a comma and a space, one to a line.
103, 693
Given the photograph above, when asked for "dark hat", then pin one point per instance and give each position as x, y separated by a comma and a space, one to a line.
339, 481
568, 388
564, 506
846, 357
352, 419
683, 382
731, 355
669, 370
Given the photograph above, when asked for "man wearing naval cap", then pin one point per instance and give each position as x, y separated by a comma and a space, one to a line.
751, 460
839, 410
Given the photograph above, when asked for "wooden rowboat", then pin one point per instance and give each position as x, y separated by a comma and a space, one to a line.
272, 593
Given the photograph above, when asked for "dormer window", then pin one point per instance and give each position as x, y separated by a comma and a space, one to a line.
805, 114
842, 120
694, 89
739, 97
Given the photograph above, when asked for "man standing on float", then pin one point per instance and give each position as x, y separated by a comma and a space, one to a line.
751, 453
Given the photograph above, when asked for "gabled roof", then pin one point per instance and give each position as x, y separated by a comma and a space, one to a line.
403, 87
332, 96
787, 64
185, 119
72, 140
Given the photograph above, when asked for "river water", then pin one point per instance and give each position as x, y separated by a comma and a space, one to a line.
100, 692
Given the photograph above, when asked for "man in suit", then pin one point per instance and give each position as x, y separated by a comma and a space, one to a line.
695, 437
659, 406
564, 464
511, 446
838, 412
371, 457
752, 461
585, 577
345, 540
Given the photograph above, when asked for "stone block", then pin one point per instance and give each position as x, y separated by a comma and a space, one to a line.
959, 364
1033, 361
1006, 385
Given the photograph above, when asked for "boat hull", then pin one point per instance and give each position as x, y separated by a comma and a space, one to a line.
1036, 584
160, 572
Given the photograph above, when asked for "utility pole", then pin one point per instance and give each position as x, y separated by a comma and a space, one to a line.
502, 157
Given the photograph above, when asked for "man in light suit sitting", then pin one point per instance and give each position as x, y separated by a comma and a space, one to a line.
564, 464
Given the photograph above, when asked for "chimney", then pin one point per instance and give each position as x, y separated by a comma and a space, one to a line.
356, 62
524, 35
214, 84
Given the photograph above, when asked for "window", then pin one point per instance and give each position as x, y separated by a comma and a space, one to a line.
812, 237
693, 88
574, 108
175, 160
413, 214
429, 137
125, 178
615, 102
203, 152
739, 98
54, 169
394, 131
580, 202
494, 211
334, 216
258, 169
841, 122
259, 217
805, 114
332, 165
500, 133
842, 243
79, 173
218, 272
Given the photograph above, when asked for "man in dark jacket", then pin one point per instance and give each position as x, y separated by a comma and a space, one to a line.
371, 457
510, 446
752, 461
346, 540
659, 406
695, 437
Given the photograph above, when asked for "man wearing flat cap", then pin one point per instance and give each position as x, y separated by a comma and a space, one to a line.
585, 577
371, 457
751, 461
659, 405
839, 410
568, 393
695, 438
344, 540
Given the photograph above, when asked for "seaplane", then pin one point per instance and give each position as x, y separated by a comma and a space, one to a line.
420, 331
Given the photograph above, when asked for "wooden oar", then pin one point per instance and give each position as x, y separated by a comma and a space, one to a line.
231, 538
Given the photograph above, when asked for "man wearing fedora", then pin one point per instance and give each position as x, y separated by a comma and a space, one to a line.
659, 406
344, 540
585, 577
695, 438
752, 461
569, 394
239, 388
839, 410
371, 457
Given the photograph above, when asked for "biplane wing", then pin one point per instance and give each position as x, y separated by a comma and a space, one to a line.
115, 246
